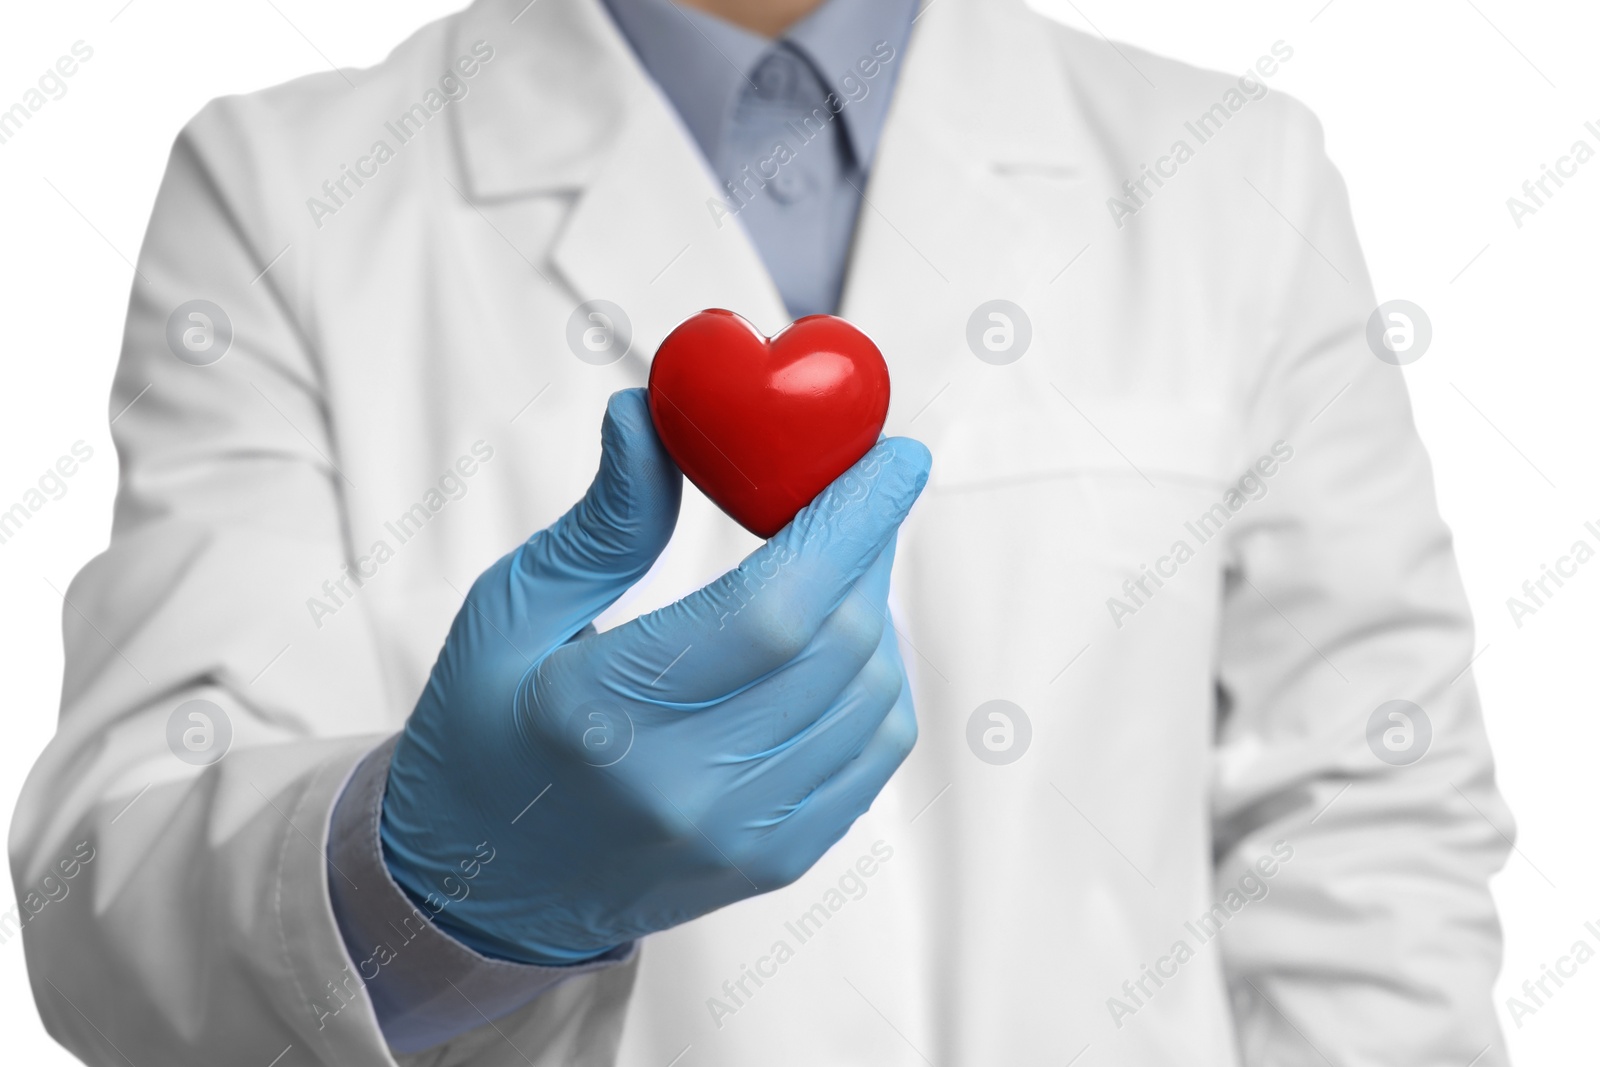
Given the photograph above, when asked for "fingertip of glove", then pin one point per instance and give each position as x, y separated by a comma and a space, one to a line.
638, 487
905, 464
868, 502
628, 414
628, 436
916, 460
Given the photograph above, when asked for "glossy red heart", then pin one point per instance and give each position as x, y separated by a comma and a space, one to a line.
764, 425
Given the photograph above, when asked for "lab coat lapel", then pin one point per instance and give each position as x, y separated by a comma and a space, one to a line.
977, 194
974, 194
575, 115
643, 235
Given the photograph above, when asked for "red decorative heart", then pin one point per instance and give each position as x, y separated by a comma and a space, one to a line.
762, 426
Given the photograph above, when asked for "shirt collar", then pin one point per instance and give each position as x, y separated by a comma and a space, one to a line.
703, 63
838, 38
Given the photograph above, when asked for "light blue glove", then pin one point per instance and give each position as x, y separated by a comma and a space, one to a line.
633, 780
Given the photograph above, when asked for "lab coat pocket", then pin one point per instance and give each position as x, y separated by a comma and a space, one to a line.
1054, 436
1078, 492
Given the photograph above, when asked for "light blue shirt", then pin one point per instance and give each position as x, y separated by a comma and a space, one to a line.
789, 127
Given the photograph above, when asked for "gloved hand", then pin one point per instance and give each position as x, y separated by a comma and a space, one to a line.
633, 780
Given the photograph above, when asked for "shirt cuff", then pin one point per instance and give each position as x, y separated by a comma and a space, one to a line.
425, 986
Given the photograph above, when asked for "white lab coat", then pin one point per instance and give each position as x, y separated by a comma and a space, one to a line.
1172, 745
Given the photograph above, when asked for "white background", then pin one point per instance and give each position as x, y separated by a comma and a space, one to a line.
1436, 111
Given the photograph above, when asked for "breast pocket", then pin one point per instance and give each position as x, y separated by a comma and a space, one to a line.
1041, 511
1051, 436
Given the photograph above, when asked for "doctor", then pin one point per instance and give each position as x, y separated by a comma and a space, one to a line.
1201, 776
